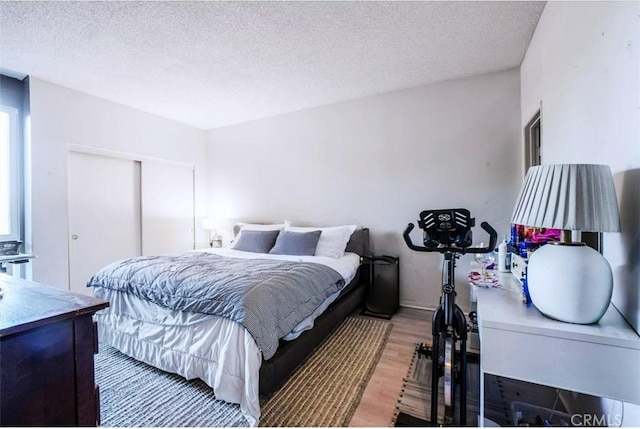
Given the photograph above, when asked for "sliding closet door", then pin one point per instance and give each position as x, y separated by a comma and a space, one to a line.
104, 214
167, 208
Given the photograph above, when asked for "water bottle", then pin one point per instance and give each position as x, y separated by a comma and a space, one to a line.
503, 257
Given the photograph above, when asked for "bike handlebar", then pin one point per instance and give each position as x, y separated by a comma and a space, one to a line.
493, 239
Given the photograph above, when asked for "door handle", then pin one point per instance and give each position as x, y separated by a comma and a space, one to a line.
74, 237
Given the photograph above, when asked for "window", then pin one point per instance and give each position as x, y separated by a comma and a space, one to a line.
13, 103
9, 174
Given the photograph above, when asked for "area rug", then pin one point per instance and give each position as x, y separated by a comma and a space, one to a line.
414, 404
324, 391
327, 389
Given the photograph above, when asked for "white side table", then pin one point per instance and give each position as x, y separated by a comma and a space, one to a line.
13, 259
518, 342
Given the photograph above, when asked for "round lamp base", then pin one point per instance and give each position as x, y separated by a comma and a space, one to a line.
570, 282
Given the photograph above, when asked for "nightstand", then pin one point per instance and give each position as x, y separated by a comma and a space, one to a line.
383, 292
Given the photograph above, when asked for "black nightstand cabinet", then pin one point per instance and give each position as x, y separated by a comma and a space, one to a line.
383, 294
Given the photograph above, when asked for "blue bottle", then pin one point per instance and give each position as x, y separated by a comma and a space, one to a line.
526, 298
514, 236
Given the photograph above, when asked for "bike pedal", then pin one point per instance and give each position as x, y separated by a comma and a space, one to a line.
424, 350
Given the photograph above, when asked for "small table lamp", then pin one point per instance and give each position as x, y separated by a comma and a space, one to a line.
212, 224
569, 281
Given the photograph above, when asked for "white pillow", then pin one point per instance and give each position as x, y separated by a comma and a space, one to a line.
333, 239
260, 227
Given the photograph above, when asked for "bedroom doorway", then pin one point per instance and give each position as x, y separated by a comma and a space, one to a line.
533, 142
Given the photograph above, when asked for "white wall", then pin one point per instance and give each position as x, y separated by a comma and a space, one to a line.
378, 162
583, 67
59, 117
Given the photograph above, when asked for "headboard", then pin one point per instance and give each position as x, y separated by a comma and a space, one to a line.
359, 242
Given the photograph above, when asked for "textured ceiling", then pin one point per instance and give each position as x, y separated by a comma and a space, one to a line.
211, 64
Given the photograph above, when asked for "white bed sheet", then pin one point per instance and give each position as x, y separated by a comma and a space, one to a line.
217, 350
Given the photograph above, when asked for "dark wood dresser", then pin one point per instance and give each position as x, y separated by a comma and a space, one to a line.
47, 343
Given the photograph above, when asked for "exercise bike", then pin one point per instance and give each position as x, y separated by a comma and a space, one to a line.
448, 232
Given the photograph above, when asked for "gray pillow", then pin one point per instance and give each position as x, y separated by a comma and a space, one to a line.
296, 243
256, 241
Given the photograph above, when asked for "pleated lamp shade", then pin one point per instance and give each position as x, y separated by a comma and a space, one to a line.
579, 197
569, 282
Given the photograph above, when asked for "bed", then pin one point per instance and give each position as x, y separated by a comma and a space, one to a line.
233, 351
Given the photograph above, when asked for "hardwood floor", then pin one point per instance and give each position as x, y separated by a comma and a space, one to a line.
410, 326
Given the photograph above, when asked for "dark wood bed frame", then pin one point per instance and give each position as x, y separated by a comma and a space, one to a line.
291, 354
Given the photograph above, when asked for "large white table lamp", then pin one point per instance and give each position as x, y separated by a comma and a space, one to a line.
569, 281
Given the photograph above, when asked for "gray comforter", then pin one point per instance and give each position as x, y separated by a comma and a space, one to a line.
268, 297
